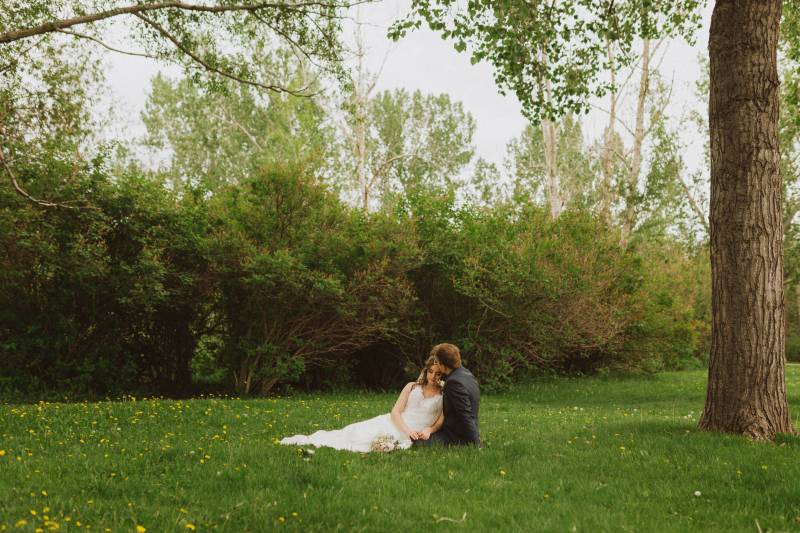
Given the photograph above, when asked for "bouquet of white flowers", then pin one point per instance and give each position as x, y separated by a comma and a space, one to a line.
384, 443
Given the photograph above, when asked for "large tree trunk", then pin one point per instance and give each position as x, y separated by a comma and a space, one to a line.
746, 388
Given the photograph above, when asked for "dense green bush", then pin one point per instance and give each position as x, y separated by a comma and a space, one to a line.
517, 291
296, 289
275, 281
106, 299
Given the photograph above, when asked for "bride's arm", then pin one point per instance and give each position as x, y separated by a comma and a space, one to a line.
399, 407
438, 424
425, 434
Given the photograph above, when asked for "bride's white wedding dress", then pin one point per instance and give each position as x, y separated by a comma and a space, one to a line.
420, 412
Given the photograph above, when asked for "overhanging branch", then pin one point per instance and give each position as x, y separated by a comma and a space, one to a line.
56, 25
211, 68
104, 45
22, 192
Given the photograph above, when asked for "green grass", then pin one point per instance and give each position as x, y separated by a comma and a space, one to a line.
561, 455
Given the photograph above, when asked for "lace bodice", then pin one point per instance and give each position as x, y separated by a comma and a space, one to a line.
420, 411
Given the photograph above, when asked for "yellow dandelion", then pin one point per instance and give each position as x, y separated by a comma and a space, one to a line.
191, 526
502, 472
2, 453
140, 529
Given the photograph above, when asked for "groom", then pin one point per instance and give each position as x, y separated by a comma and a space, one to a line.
460, 400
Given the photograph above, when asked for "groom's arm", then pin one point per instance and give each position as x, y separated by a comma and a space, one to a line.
462, 410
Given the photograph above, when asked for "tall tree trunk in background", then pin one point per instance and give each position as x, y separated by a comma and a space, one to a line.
608, 143
629, 217
550, 141
550, 136
746, 388
360, 101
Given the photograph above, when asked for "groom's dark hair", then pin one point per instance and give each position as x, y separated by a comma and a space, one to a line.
447, 354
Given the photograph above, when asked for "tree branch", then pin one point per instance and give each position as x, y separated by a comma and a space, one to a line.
693, 204
164, 33
22, 192
617, 119
227, 116
56, 25
104, 45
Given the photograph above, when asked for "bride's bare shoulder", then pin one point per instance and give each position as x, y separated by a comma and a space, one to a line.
409, 387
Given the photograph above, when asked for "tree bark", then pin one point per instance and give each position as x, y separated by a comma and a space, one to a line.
746, 391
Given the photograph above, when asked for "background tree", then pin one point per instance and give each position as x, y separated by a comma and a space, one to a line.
527, 165
211, 138
411, 141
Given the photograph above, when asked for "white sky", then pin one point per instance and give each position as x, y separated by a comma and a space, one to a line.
424, 61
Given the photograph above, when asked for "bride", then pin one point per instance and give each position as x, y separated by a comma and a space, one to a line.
416, 414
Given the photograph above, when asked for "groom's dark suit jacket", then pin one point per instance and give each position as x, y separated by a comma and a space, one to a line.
460, 401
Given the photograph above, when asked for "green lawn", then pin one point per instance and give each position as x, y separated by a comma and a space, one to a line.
560, 455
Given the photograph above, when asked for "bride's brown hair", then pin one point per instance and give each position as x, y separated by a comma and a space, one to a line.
422, 380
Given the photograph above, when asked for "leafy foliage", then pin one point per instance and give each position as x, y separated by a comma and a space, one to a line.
563, 43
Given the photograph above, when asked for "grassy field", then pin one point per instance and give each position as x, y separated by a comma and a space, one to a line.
560, 455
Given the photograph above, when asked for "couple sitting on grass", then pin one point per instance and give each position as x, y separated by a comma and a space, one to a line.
441, 407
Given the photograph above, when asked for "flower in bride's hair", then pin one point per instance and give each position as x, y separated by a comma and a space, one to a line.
441, 383
384, 443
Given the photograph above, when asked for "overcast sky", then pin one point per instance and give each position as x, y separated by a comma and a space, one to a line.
424, 61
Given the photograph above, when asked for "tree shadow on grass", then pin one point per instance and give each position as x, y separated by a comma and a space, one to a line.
689, 429
657, 428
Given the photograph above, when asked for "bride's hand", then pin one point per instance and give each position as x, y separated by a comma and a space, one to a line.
425, 434
414, 435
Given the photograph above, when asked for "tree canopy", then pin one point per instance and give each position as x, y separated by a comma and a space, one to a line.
551, 54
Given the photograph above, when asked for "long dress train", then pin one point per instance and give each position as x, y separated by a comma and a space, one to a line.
420, 412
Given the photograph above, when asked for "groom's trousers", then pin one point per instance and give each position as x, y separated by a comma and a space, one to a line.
445, 438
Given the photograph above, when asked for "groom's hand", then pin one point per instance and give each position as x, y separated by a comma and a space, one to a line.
414, 435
